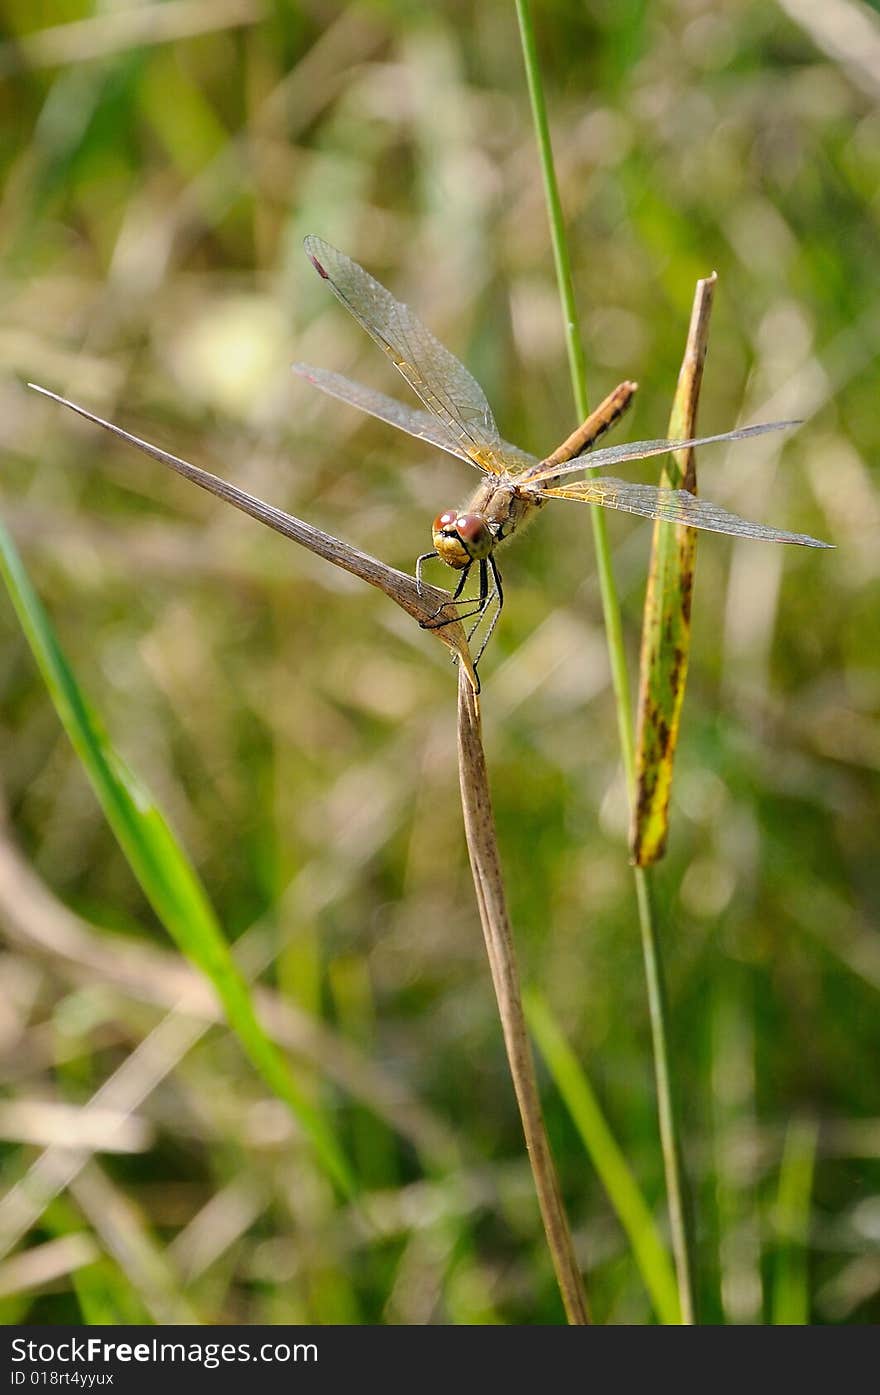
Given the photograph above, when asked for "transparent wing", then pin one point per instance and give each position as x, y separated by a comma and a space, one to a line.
673, 506
640, 450
444, 385
422, 425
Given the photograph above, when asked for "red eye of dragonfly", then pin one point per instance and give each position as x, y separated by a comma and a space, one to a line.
470, 526
475, 534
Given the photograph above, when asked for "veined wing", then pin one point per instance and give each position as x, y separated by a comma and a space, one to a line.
423, 425
441, 381
673, 506
640, 450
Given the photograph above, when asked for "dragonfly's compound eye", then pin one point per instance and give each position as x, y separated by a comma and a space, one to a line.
451, 547
475, 534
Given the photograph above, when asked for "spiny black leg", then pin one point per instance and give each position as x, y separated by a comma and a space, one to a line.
458, 590
478, 609
476, 625
499, 591
441, 624
425, 557
488, 635
497, 577
482, 600
428, 624
484, 583
473, 630
461, 585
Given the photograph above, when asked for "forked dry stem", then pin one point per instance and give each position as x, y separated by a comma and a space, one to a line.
422, 602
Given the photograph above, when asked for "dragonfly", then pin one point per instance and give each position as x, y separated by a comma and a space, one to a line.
515, 485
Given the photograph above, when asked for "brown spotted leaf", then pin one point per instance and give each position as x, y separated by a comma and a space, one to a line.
666, 627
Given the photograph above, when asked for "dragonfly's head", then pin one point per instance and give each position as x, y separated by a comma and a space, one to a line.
462, 538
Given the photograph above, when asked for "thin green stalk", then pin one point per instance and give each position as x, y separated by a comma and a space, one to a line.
578, 370
673, 1164
672, 1158
574, 344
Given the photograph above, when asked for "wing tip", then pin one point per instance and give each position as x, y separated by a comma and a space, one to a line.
314, 250
804, 540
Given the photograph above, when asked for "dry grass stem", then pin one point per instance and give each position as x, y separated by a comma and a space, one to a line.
46, 1264
120, 1226
82, 40
482, 844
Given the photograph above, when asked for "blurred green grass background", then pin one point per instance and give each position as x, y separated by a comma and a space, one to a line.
161, 163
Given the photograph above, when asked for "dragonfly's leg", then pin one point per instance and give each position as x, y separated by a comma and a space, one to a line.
441, 624
461, 585
484, 600
462, 582
480, 614
479, 605
488, 635
499, 592
425, 557
487, 596
479, 620
429, 624
484, 585
497, 578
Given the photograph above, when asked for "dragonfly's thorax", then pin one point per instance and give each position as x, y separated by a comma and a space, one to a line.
494, 512
504, 505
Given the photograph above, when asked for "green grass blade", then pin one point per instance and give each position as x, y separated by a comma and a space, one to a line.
160, 866
790, 1298
106, 1298
614, 1172
666, 628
